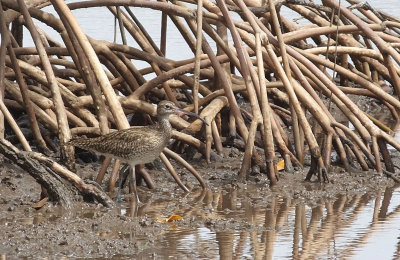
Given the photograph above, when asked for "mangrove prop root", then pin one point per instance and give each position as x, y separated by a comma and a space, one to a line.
262, 88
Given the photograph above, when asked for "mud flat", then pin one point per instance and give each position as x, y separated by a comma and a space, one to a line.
227, 207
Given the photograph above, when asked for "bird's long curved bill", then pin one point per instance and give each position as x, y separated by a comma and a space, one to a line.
181, 111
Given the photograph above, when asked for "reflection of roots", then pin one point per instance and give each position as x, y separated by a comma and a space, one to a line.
274, 66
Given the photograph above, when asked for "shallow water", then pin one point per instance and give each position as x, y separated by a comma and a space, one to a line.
237, 227
222, 223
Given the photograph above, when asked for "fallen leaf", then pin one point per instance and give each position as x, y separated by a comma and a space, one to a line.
170, 219
280, 165
40, 203
174, 217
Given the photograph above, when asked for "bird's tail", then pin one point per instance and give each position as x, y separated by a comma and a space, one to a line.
84, 143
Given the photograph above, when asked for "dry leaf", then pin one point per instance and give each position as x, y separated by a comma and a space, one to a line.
40, 203
280, 165
170, 219
174, 217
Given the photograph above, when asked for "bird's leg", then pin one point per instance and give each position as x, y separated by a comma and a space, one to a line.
132, 180
123, 174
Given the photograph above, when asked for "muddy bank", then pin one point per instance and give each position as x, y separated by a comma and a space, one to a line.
127, 231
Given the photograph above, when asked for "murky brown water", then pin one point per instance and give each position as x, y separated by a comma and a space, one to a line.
348, 227
230, 224
355, 216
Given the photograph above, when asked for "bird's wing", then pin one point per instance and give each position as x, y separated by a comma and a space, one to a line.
122, 143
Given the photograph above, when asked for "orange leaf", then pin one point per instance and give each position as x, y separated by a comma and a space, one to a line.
169, 220
174, 217
280, 165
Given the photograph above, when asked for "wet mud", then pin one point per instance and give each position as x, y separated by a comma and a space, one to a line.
137, 231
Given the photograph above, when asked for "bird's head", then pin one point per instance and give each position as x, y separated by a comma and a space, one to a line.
166, 108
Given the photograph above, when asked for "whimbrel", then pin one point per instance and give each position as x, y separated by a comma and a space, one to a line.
138, 144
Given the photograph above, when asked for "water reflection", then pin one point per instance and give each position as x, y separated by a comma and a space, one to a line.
230, 224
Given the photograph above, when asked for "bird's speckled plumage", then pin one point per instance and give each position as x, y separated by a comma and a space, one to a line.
135, 145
